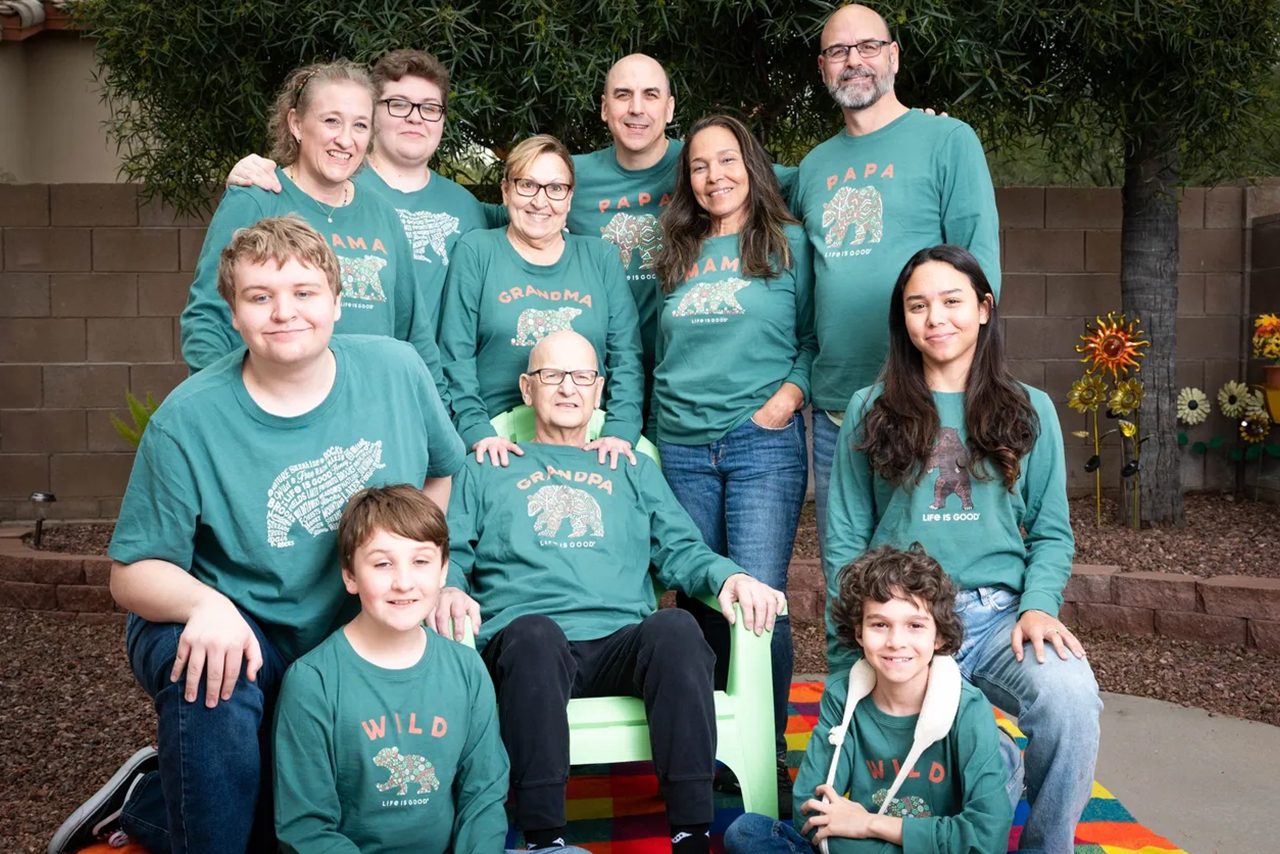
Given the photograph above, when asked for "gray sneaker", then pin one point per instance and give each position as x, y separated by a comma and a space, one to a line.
99, 817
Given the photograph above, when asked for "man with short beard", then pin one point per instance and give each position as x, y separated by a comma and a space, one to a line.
893, 182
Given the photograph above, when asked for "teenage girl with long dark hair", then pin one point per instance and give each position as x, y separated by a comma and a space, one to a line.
949, 450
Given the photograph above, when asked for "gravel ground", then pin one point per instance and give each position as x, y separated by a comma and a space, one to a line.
70, 711
1222, 537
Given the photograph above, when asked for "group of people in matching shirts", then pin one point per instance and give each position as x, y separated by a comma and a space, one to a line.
330, 503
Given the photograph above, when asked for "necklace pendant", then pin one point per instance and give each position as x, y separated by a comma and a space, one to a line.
330, 219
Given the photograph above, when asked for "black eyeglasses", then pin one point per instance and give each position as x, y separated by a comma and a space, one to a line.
555, 376
401, 108
556, 191
866, 49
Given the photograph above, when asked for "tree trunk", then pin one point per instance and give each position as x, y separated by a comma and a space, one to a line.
1149, 291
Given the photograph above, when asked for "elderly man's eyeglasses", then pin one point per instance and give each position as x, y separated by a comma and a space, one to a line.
400, 109
556, 191
866, 49
555, 376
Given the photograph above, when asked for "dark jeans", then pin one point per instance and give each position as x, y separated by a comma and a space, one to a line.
213, 790
744, 492
663, 660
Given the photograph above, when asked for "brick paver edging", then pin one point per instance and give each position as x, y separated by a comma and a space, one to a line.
1231, 609
1235, 610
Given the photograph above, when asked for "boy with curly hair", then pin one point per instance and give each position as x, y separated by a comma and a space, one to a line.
917, 768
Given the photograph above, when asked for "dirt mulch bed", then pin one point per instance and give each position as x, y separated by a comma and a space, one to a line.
82, 538
70, 711
1221, 537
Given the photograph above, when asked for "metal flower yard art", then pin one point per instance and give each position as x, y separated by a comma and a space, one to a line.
1113, 345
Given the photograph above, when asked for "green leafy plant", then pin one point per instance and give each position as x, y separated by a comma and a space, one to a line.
140, 412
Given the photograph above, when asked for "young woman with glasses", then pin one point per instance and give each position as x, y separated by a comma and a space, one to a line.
509, 287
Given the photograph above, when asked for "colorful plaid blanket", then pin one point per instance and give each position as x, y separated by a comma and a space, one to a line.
616, 809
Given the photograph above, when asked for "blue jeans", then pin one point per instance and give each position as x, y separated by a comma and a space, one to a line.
1057, 706
213, 790
744, 492
825, 432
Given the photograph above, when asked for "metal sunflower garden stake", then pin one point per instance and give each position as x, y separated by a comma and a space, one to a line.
1114, 344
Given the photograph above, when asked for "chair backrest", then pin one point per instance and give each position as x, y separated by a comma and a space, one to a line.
516, 424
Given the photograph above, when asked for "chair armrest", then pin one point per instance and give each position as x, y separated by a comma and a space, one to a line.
750, 660
468, 632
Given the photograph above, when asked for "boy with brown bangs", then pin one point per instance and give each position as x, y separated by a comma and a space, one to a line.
386, 735
921, 766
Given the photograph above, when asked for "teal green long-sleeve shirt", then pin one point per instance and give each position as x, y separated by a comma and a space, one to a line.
973, 527
726, 343
381, 761
954, 803
498, 305
868, 204
558, 533
379, 284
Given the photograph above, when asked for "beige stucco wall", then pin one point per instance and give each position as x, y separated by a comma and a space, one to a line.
51, 113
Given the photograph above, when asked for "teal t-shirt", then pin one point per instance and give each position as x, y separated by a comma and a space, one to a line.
868, 204
374, 760
953, 802
498, 305
560, 534
623, 206
726, 342
972, 526
379, 288
433, 218
249, 502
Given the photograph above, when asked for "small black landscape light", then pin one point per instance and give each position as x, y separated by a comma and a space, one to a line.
40, 499
1091, 464
1130, 468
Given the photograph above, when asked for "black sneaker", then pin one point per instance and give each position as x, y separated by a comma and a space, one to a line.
99, 817
784, 789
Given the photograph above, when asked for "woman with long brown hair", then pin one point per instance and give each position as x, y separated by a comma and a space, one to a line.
949, 450
735, 342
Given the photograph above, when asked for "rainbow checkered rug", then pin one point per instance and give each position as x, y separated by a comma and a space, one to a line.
616, 809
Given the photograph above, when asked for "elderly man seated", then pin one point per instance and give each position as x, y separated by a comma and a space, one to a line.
556, 548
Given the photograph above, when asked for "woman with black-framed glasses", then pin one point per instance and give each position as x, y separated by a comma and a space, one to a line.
509, 287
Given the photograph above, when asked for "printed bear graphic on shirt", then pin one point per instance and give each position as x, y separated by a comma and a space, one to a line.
861, 207
556, 503
534, 324
629, 233
951, 458
428, 229
406, 768
360, 278
313, 493
711, 298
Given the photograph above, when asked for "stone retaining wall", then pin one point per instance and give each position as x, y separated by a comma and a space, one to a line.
1230, 609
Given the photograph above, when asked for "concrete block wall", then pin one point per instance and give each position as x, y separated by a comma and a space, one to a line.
91, 284
92, 281
1061, 268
